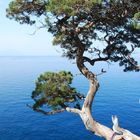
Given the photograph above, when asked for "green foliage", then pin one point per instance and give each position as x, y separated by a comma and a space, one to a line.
69, 7
58, 39
77, 24
74, 23
55, 90
21, 10
136, 21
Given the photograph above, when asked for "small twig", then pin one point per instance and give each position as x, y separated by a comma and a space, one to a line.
102, 72
38, 28
78, 74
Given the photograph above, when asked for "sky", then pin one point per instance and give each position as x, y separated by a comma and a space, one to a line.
16, 39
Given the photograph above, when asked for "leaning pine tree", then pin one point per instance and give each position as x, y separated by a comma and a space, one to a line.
76, 25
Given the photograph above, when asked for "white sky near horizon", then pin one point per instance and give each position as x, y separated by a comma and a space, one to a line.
15, 39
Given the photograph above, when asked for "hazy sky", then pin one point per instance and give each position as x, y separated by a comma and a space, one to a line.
16, 40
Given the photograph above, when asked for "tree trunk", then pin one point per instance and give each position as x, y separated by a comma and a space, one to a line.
85, 112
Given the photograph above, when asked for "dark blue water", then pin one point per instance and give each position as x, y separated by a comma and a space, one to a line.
119, 94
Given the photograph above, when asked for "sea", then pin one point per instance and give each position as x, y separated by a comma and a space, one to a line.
119, 94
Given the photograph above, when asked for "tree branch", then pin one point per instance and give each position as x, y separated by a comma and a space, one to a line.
44, 112
73, 110
85, 113
86, 116
38, 28
126, 134
92, 61
131, 62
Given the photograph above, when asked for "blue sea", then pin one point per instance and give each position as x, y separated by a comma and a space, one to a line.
119, 94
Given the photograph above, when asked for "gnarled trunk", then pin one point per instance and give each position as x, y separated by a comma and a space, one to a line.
85, 112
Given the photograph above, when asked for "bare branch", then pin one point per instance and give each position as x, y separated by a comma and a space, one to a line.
127, 135
73, 110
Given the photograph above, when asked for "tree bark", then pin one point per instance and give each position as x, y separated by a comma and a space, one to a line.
85, 112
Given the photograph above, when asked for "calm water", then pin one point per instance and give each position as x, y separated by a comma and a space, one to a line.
119, 94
